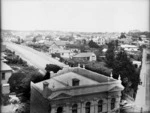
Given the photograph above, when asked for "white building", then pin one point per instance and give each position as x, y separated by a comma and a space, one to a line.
129, 48
5, 73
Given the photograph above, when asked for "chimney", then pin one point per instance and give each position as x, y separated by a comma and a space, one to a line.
51, 73
46, 91
83, 66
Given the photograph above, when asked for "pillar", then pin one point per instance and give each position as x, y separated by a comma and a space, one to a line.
80, 107
92, 109
53, 109
83, 107
66, 109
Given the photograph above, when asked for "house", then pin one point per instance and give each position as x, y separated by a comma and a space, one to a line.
5, 73
56, 44
127, 47
101, 41
64, 53
76, 90
3, 48
89, 56
3, 57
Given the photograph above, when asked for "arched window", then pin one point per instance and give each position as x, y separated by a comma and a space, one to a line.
113, 100
75, 108
49, 108
60, 110
100, 106
87, 107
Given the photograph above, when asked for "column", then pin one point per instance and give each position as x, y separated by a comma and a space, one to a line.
108, 104
53, 108
66, 109
80, 107
83, 107
117, 104
94, 104
92, 109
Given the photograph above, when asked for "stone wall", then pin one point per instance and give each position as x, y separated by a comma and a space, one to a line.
83, 99
38, 104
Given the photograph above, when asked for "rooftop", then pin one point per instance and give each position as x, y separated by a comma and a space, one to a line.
64, 78
59, 43
5, 67
88, 54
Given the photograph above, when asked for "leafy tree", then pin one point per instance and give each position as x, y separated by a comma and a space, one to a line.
110, 54
124, 67
92, 44
20, 81
52, 67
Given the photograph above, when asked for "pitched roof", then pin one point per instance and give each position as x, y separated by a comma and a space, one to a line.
63, 78
59, 43
88, 54
5, 67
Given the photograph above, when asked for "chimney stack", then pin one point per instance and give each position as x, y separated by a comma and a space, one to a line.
46, 91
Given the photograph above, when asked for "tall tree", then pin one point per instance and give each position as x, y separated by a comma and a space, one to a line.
124, 67
110, 54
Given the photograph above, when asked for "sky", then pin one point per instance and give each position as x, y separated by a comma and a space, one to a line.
76, 15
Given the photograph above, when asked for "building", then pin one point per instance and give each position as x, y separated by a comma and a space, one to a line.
89, 56
129, 48
76, 90
101, 41
56, 44
63, 52
142, 100
5, 73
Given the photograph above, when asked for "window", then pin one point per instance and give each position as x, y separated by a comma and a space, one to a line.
75, 82
75, 108
59, 110
3, 76
113, 100
100, 106
87, 107
148, 57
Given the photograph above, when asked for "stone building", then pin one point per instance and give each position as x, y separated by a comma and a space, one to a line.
76, 90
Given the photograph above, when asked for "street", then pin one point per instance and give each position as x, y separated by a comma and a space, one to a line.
33, 57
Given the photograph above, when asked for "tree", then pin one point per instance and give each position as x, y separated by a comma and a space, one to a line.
20, 81
122, 35
110, 54
92, 44
52, 67
124, 67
